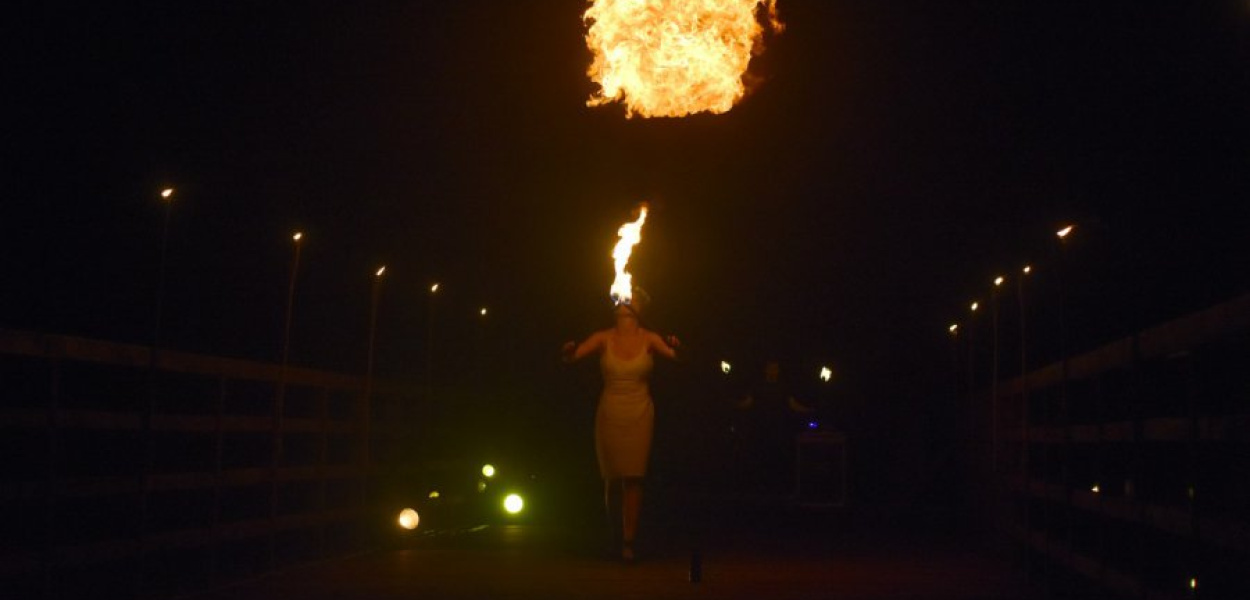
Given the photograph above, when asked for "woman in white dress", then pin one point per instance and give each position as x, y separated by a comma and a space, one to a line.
625, 416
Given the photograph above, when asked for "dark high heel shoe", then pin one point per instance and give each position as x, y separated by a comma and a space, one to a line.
627, 553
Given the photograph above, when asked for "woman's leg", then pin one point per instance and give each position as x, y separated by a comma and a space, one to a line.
631, 506
612, 510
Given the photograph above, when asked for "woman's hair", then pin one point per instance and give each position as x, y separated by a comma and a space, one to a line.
638, 300
641, 296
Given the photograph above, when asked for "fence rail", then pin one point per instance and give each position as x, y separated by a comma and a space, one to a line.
1129, 465
156, 473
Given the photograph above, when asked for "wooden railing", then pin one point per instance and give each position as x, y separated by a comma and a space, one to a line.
1130, 464
128, 473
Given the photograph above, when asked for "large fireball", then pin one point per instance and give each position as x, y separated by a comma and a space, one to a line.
671, 58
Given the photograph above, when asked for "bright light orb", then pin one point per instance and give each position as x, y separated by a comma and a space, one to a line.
409, 519
167, 193
725, 367
488, 470
513, 504
435, 495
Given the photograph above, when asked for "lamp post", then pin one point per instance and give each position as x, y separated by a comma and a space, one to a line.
953, 329
429, 342
998, 283
972, 371
167, 201
1024, 350
373, 327
368, 392
297, 242
1064, 234
1024, 402
280, 399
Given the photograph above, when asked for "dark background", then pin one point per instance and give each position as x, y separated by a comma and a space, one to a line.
895, 158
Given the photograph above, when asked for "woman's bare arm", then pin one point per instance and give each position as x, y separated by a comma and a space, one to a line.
574, 352
664, 347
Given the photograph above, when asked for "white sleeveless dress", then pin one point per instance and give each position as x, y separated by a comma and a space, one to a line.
624, 420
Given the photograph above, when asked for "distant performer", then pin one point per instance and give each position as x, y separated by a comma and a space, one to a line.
625, 417
770, 418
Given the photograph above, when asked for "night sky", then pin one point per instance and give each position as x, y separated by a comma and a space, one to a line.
893, 159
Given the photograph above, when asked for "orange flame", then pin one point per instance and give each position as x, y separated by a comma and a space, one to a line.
671, 58
622, 290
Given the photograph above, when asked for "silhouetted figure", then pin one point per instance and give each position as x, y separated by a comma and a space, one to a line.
769, 419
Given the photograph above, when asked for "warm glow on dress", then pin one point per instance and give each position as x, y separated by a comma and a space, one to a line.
622, 290
672, 58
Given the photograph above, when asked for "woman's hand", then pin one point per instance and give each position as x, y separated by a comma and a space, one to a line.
672, 341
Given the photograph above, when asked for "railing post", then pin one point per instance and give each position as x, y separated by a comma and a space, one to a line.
51, 481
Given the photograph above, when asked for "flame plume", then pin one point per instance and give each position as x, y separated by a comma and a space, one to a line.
671, 58
622, 290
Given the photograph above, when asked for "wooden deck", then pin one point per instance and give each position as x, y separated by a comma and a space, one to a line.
793, 555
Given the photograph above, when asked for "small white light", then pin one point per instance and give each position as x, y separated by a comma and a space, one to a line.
1063, 233
1193, 583
434, 288
954, 328
1027, 269
409, 519
826, 374
998, 281
1095, 489
298, 236
488, 470
725, 367
167, 193
380, 271
482, 311
513, 504
974, 306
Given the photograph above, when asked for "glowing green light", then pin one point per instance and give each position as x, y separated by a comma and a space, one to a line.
488, 470
513, 504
